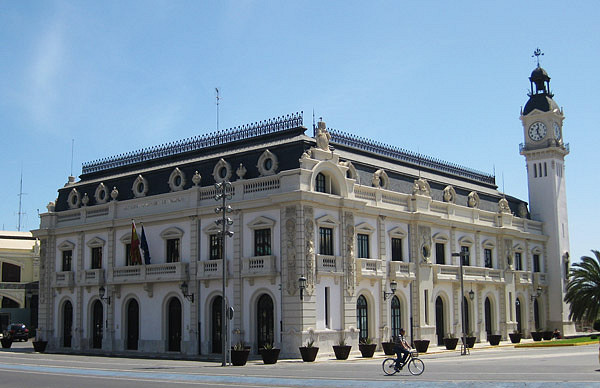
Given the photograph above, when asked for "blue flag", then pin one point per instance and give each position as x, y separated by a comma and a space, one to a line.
144, 247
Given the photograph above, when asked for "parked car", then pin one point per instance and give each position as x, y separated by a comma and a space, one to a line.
17, 331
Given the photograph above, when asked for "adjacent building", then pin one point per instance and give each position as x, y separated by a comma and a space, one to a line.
323, 226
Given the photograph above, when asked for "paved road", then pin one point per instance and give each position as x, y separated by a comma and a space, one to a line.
497, 367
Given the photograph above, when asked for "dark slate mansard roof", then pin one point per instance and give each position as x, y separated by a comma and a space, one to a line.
243, 145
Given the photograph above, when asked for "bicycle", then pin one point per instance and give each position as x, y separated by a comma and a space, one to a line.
414, 363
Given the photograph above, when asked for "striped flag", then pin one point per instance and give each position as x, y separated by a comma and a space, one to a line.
136, 257
144, 247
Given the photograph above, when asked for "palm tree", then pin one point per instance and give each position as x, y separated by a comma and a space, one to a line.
583, 289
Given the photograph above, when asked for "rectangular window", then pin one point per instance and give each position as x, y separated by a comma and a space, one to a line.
487, 255
535, 170
426, 306
545, 169
518, 261
397, 249
363, 245
128, 254
11, 273
215, 247
440, 253
96, 257
327, 316
536, 263
510, 304
67, 260
173, 250
326, 241
464, 250
262, 242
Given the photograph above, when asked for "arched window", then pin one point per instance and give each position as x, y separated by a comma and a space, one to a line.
133, 324
518, 315
320, 183
396, 316
362, 318
264, 321
67, 324
536, 315
8, 303
11, 273
174, 325
439, 320
216, 313
467, 323
97, 324
488, 316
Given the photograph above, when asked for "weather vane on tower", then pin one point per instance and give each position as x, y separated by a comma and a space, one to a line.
537, 54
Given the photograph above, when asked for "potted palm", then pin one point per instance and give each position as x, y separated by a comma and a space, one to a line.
309, 352
342, 350
269, 354
367, 347
451, 341
388, 347
239, 354
515, 337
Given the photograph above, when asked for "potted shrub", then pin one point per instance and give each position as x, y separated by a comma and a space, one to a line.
342, 350
239, 354
269, 354
536, 335
450, 342
470, 340
367, 347
515, 337
309, 352
421, 345
494, 339
388, 347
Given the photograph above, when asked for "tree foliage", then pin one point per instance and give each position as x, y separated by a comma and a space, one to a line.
583, 289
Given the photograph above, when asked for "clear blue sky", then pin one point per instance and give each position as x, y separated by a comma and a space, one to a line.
444, 78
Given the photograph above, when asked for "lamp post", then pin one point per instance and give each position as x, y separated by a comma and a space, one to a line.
393, 287
464, 350
536, 294
101, 292
184, 291
224, 193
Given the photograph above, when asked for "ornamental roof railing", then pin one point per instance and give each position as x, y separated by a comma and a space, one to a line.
195, 143
408, 156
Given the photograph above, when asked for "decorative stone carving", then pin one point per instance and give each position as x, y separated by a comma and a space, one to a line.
503, 206
522, 211
425, 243
473, 199
508, 248
197, 178
140, 187
449, 194
305, 155
351, 173
267, 163
309, 235
114, 193
323, 137
85, 200
176, 180
50, 206
349, 259
222, 171
380, 179
74, 199
241, 171
421, 187
101, 194
290, 249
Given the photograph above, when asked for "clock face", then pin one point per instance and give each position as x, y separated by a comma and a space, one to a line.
537, 131
556, 130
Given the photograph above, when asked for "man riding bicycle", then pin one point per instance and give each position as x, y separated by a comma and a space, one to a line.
401, 348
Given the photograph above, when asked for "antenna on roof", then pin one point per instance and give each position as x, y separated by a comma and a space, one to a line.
314, 127
218, 98
20, 213
503, 192
419, 161
72, 147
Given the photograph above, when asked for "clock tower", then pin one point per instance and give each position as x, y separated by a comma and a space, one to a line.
544, 150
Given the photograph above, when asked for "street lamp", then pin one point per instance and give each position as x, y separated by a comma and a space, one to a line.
302, 286
536, 294
101, 292
464, 350
224, 192
393, 287
184, 291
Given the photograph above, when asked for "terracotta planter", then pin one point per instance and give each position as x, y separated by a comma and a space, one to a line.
515, 338
270, 356
388, 348
547, 335
536, 335
470, 342
494, 339
367, 350
39, 346
239, 357
6, 342
450, 343
421, 345
308, 354
342, 352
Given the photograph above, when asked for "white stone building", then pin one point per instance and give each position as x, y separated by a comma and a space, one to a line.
349, 215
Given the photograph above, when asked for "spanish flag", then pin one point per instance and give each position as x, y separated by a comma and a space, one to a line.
136, 257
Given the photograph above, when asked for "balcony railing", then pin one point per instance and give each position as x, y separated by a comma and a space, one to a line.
539, 278
64, 279
478, 274
91, 277
369, 267
523, 277
164, 272
401, 270
211, 269
329, 264
258, 266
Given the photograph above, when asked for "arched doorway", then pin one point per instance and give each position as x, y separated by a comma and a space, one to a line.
362, 318
67, 324
396, 316
133, 324
439, 320
488, 317
265, 326
8, 303
518, 315
216, 313
467, 317
97, 319
536, 315
174, 325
